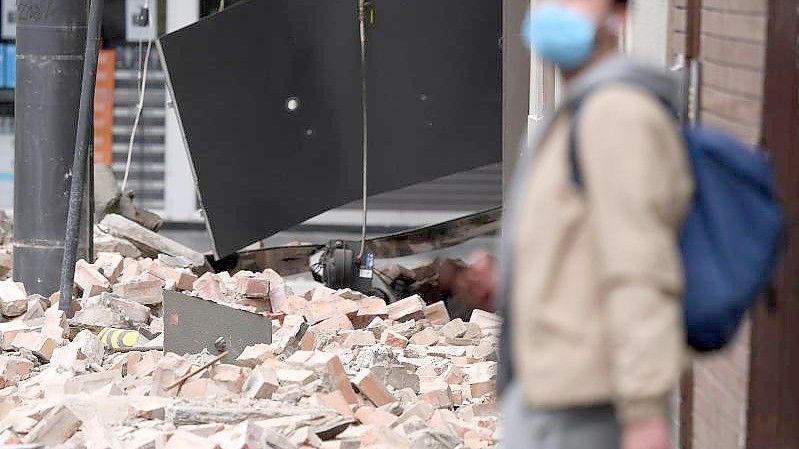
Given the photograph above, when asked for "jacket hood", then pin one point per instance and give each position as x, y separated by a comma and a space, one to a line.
621, 69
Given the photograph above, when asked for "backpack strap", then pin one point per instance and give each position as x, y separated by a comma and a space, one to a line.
574, 147
574, 163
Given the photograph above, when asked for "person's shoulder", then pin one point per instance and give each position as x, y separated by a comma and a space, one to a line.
624, 101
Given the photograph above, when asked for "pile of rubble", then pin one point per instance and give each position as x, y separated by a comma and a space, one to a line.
343, 370
6, 248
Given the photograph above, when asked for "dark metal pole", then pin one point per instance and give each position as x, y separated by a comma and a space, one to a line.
51, 39
80, 159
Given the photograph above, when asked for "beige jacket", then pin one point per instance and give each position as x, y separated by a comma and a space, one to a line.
597, 278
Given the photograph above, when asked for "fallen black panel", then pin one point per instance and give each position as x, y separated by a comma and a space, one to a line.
434, 84
434, 89
259, 167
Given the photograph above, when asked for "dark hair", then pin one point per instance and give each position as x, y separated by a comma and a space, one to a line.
621, 2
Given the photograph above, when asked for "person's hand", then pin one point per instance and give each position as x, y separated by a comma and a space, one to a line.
475, 283
649, 434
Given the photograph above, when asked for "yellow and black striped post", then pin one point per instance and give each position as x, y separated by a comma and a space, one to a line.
120, 338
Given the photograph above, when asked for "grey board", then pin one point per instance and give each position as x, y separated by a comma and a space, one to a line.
434, 104
192, 325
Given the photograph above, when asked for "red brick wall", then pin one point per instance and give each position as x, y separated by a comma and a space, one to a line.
732, 53
733, 57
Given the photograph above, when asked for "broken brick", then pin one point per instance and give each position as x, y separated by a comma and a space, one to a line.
55, 428
411, 308
254, 355
454, 329
14, 368
143, 292
359, 338
182, 439
293, 305
147, 410
261, 383
89, 279
334, 369
13, 300
208, 287
181, 278
393, 339
437, 313
333, 323
295, 376
316, 311
490, 323
368, 384
426, 337
35, 342
110, 265
374, 417
231, 376
335, 400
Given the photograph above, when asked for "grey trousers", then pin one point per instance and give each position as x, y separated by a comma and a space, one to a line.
593, 427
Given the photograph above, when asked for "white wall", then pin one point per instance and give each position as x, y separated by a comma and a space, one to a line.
647, 34
179, 191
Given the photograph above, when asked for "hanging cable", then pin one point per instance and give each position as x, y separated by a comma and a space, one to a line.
362, 18
139, 109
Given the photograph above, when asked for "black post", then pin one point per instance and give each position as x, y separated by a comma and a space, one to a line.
80, 160
51, 41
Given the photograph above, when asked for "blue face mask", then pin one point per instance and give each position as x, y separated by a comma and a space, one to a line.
560, 35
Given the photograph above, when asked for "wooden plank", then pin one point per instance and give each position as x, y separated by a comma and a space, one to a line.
686, 410
774, 363
693, 28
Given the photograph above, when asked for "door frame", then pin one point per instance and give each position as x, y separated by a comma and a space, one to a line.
774, 361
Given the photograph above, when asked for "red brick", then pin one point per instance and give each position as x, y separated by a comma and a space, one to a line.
411, 308
437, 313
321, 310
143, 292
393, 339
376, 392
36, 343
374, 417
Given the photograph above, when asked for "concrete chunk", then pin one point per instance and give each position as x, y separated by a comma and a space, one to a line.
261, 383
148, 242
55, 428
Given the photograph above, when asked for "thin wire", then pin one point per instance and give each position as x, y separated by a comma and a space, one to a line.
139, 109
362, 20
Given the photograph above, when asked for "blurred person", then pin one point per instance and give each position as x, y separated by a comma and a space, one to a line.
591, 278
